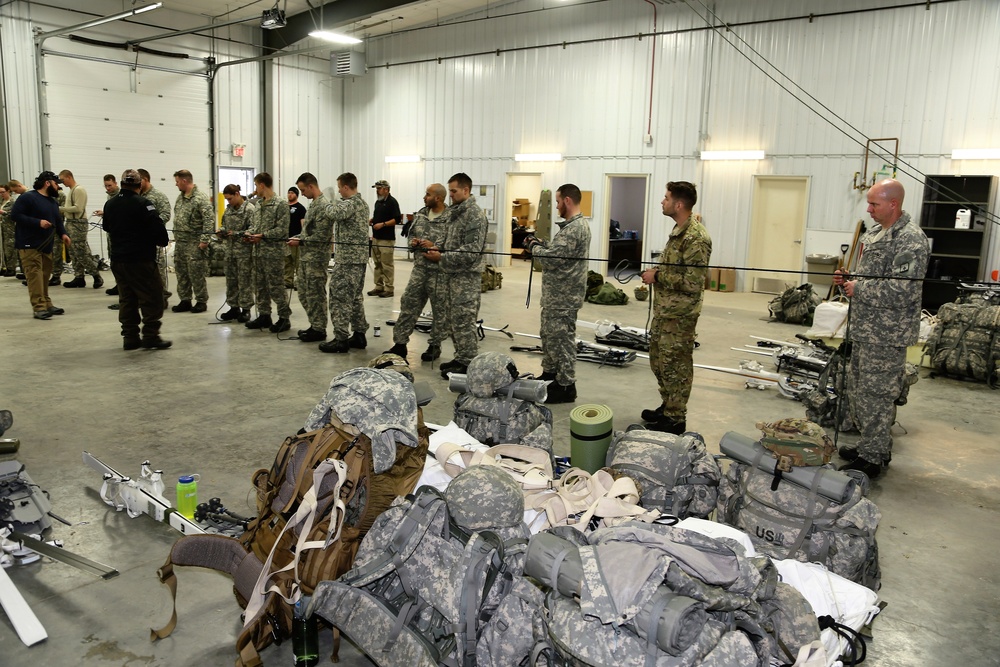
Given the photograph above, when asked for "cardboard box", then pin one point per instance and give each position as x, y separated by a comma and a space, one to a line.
727, 280
713, 279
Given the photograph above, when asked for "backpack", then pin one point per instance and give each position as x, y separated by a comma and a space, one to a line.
427, 579
491, 279
594, 282
317, 501
675, 474
495, 420
785, 519
685, 599
965, 341
608, 295
795, 305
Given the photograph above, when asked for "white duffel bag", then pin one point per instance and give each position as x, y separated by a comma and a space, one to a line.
829, 320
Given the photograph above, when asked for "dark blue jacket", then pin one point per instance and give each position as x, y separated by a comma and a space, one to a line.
27, 213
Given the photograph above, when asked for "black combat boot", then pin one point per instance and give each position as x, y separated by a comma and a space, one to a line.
335, 346
561, 393
399, 349
183, 307
261, 322
311, 335
230, 314
357, 341
76, 282
281, 325
432, 352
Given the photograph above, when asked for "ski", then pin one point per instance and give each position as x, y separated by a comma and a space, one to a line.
25, 623
68, 557
593, 347
121, 492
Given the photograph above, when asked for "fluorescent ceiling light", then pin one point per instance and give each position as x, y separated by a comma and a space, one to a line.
976, 154
732, 155
334, 37
147, 8
538, 157
402, 158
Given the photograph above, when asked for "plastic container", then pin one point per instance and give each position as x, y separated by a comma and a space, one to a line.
305, 637
963, 219
187, 494
378, 331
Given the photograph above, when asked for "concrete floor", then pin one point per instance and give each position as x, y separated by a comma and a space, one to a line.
221, 401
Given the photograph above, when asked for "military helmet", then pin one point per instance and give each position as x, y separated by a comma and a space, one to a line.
483, 497
392, 362
796, 441
490, 371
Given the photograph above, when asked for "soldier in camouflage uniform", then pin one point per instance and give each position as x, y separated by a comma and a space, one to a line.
678, 286
462, 261
269, 234
314, 257
194, 223
57, 247
236, 223
564, 285
7, 231
162, 204
428, 231
74, 215
347, 281
884, 320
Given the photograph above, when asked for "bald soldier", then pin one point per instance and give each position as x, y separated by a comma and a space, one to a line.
885, 319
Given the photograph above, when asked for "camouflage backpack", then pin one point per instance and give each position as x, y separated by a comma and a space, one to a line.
795, 305
786, 520
494, 416
685, 599
675, 473
965, 342
491, 279
317, 501
796, 442
431, 573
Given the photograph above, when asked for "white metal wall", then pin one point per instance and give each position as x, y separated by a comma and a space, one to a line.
928, 77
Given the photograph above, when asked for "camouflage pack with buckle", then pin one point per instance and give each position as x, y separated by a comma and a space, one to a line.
796, 442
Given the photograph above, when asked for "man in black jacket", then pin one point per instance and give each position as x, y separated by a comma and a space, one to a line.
36, 224
136, 230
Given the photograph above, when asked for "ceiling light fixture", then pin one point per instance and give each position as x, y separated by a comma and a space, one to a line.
538, 157
975, 154
732, 155
272, 18
402, 158
334, 37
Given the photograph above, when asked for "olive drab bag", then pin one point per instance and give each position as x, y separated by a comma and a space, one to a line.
431, 573
492, 278
675, 473
795, 305
268, 562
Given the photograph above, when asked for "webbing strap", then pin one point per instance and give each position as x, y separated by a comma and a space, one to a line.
554, 568
651, 629
807, 526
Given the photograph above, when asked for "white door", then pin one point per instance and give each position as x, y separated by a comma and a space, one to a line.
104, 118
777, 230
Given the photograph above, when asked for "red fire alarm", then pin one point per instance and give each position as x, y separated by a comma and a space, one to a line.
239, 150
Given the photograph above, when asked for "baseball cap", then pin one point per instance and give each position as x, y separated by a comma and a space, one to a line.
48, 176
131, 177
381, 184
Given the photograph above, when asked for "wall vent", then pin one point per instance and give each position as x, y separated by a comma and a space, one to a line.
347, 64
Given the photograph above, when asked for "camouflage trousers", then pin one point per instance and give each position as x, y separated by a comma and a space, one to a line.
239, 277
83, 259
312, 291
57, 256
558, 333
463, 294
671, 357
269, 280
161, 266
292, 266
347, 302
191, 265
874, 382
422, 287
10, 259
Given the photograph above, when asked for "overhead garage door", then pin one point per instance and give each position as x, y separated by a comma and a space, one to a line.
105, 118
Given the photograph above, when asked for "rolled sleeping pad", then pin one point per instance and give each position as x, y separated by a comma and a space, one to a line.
535, 391
556, 563
833, 485
591, 428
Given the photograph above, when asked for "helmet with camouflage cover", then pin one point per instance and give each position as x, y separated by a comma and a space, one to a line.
796, 441
483, 497
490, 371
392, 362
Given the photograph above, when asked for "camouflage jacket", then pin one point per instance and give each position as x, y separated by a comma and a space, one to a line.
887, 312
5, 209
465, 239
270, 219
317, 231
564, 283
237, 221
160, 201
194, 219
680, 278
350, 230
432, 230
